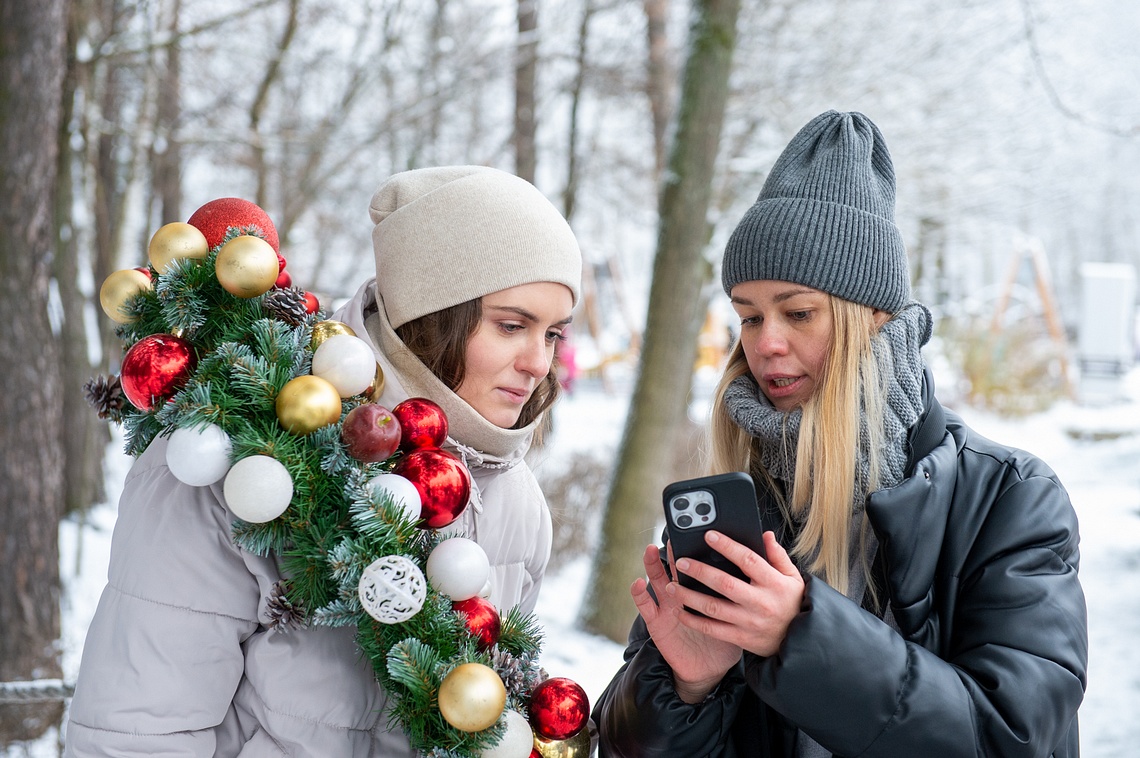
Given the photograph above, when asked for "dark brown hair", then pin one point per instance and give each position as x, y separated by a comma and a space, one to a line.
440, 340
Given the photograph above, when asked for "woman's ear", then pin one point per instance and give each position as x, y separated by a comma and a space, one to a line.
880, 317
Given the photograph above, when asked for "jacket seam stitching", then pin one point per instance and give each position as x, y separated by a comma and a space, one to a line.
898, 703
304, 718
152, 601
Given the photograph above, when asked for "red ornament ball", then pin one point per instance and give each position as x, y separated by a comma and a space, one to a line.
154, 368
216, 217
145, 270
312, 304
284, 280
280, 262
481, 618
558, 708
424, 424
443, 482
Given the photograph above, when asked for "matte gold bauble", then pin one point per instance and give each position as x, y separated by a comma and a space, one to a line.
322, 330
306, 403
246, 266
577, 746
117, 289
472, 697
176, 240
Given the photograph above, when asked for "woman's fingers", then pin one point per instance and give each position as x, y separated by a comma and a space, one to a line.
749, 561
778, 557
643, 600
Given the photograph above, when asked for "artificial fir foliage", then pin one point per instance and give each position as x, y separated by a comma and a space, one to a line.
247, 349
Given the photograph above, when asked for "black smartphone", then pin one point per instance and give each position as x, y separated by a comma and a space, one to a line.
726, 503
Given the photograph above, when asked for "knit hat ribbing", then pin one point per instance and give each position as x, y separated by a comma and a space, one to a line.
447, 235
825, 218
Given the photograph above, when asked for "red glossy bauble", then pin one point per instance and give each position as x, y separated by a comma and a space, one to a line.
145, 270
312, 304
423, 424
558, 708
216, 217
154, 368
284, 280
280, 262
443, 482
481, 618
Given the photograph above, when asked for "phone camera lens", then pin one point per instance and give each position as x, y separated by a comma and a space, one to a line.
685, 520
703, 509
681, 503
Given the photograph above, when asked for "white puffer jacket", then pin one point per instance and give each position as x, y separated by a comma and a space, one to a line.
178, 660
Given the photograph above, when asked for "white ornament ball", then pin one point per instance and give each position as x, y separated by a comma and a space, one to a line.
199, 457
517, 741
401, 491
346, 362
458, 568
258, 489
392, 589
485, 593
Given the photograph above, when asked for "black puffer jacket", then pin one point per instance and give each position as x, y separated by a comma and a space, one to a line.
978, 548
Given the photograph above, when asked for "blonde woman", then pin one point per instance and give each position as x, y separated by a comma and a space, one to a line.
920, 594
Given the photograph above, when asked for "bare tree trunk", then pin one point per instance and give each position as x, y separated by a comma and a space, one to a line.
261, 100
166, 149
658, 79
109, 183
570, 193
32, 40
526, 65
85, 437
660, 397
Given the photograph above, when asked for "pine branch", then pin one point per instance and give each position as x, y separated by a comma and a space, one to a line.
337, 613
520, 632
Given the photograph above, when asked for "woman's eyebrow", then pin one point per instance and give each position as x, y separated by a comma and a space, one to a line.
526, 315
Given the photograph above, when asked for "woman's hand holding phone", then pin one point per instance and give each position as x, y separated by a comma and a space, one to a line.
753, 615
699, 661
734, 587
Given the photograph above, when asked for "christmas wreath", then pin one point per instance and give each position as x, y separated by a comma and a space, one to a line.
257, 389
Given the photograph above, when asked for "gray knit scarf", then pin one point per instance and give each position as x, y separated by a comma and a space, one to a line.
897, 347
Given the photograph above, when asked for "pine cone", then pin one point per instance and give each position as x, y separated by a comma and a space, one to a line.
105, 395
519, 673
284, 614
286, 305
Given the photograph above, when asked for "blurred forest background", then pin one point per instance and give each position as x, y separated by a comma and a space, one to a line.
1014, 126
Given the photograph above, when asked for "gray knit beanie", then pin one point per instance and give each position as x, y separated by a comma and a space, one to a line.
447, 235
825, 218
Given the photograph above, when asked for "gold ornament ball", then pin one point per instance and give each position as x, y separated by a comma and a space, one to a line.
306, 403
117, 289
177, 240
577, 746
472, 697
322, 330
247, 266
374, 392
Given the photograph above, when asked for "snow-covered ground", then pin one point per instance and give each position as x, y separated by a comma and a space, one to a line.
1096, 452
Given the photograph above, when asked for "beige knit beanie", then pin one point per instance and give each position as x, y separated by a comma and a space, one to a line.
447, 235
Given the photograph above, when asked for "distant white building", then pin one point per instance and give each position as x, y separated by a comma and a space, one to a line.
1106, 347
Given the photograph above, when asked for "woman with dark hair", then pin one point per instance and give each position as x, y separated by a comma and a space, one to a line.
920, 594
476, 278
